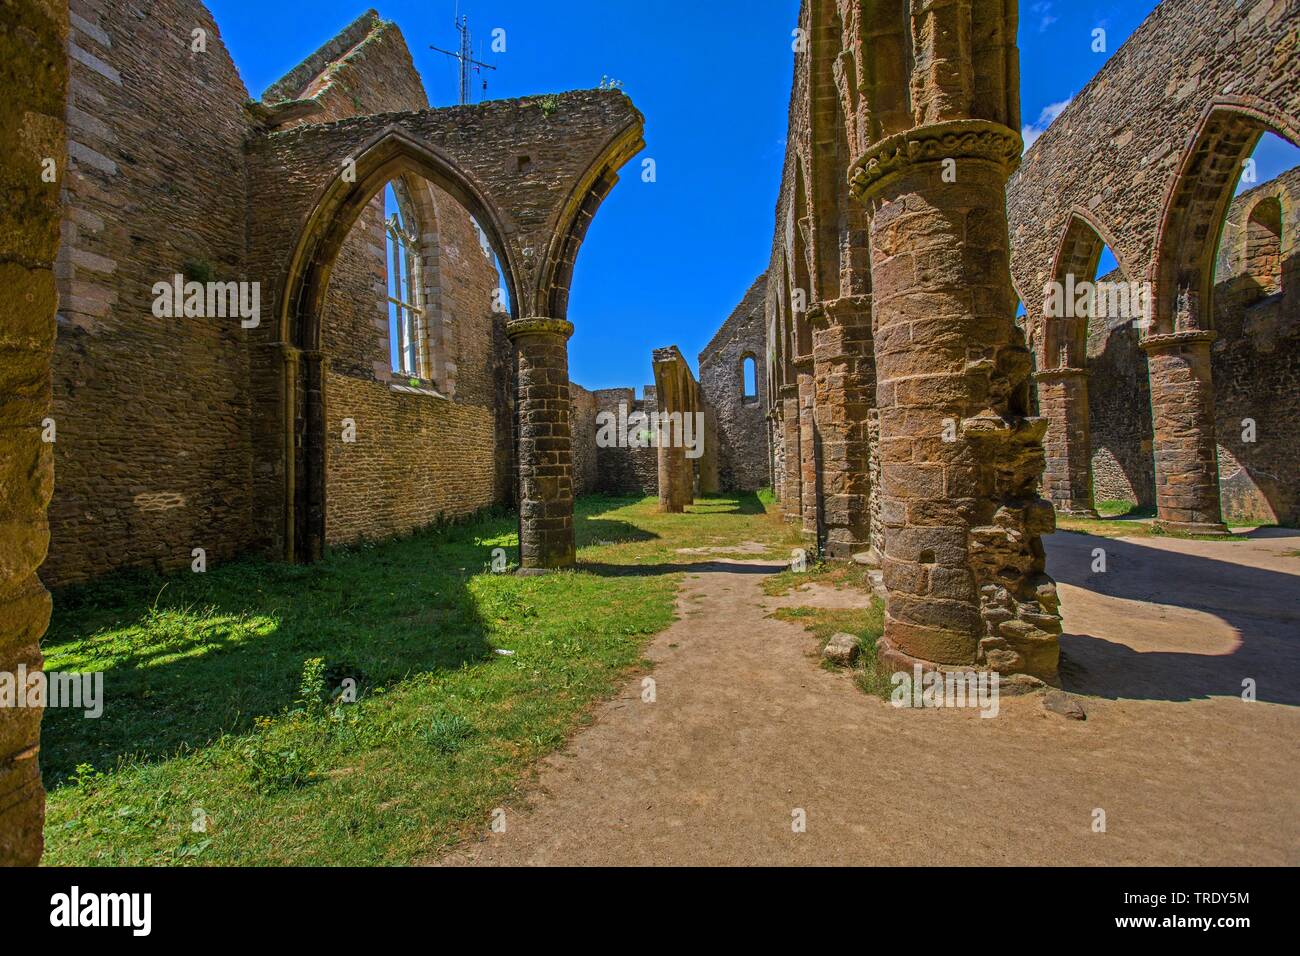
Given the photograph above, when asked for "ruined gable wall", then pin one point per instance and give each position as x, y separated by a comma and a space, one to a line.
742, 430
414, 459
154, 453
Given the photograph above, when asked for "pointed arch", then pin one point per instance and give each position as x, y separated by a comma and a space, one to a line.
393, 155
1196, 205
576, 216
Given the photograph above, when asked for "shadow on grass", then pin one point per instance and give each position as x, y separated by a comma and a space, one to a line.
188, 657
701, 567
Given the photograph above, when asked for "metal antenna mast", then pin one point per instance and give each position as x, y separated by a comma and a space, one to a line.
464, 56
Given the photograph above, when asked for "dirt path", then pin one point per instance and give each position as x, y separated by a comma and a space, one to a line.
746, 729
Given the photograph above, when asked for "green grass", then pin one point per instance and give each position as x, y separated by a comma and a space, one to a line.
222, 689
866, 623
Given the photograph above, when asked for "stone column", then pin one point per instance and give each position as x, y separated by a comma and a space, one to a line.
545, 443
1182, 407
844, 384
791, 486
960, 458
1063, 401
34, 75
809, 478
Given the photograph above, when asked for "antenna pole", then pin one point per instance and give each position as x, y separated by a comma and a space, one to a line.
464, 58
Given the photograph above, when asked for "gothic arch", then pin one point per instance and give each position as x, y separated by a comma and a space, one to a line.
1196, 205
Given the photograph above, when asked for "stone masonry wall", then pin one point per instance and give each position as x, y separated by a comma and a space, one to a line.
742, 428
154, 454
1256, 376
582, 419
626, 471
1256, 361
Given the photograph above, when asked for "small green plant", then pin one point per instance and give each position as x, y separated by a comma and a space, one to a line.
313, 688
550, 105
447, 733
197, 270
85, 776
273, 766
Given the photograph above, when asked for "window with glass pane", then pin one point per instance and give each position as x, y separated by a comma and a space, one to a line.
405, 314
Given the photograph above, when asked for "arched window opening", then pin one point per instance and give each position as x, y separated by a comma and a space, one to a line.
749, 379
1264, 246
408, 334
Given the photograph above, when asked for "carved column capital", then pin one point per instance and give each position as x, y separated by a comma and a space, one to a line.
956, 139
537, 325
1168, 340
1056, 374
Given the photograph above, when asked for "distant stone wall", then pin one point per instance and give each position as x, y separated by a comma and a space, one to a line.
416, 458
742, 429
1119, 409
626, 470
582, 420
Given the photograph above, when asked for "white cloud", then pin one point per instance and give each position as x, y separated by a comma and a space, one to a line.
1043, 10
1050, 112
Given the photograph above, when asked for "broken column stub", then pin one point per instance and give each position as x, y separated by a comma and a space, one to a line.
678, 398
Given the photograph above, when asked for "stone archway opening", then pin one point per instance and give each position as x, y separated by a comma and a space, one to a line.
349, 216
1182, 331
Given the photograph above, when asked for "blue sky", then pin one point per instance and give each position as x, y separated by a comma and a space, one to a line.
665, 262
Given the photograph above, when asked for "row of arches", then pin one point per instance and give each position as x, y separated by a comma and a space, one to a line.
1164, 318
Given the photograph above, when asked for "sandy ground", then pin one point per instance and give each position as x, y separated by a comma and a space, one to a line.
747, 729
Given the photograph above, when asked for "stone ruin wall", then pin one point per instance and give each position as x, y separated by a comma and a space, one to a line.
1256, 361
582, 418
1119, 409
625, 471
742, 431
399, 475
156, 453
1208, 76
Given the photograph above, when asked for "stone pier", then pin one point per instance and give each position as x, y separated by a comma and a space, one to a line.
545, 443
1182, 407
960, 457
844, 382
1063, 401
678, 398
